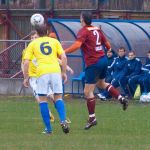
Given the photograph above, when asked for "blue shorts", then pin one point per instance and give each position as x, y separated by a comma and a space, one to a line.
96, 71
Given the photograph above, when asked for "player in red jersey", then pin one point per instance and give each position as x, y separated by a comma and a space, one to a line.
91, 40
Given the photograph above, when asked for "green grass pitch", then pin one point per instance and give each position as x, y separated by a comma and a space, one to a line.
21, 126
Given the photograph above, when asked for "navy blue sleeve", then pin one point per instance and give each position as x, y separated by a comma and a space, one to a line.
111, 67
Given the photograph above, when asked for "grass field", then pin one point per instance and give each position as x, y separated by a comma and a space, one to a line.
21, 127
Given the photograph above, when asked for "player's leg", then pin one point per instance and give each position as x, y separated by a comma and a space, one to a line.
42, 90
102, 64
56, 85
141, 83
123, 84
50, 96
33, 85
90, 84
113, 92
146, 83
132, 82
67, 118
91, 102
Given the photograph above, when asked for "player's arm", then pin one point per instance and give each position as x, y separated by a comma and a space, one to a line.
76, 45
25, 74
22, 61
69, 69
81, 37
63, 59
22, 67
27, 58
107, 44
105, 41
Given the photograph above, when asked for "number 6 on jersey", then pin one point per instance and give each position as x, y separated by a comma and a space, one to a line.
45, 49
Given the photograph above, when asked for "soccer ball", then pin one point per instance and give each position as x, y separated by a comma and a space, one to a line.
37, 20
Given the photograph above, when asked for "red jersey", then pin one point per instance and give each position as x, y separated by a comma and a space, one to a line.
92, 40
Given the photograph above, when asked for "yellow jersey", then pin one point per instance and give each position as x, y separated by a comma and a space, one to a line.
46, 51
32, 65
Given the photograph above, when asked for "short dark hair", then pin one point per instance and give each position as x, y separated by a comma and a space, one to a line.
41, 30
122, 49
132, 51
87, 17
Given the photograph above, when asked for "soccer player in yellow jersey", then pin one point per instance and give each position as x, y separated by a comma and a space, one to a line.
32, 67
47, 51
32, 72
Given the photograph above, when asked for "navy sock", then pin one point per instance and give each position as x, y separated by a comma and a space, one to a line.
60, 107
45, 115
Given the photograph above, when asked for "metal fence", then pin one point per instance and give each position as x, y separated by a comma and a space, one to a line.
10, 61
10, 65
10, 57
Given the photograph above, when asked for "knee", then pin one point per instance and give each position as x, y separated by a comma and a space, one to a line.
86, 93
56, 97
102, 84
51, 97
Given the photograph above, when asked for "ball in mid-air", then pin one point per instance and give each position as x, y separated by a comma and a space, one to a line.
37, 20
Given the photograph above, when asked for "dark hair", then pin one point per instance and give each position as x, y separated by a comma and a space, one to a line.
132, 51
122, 48
109, 51
41, 30
87, 17
148, 52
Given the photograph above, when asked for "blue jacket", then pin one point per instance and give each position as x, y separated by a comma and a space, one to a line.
146, 66
118, 66
133, 67
110, 61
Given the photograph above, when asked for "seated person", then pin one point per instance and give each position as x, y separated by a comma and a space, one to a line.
117, 67
146, 83
144, 79
103, 94
132, 69
145, 97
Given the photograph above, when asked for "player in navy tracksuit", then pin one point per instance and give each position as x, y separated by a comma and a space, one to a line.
117, 67
143, 78
132, 69
146, 77
146, 83
103, 94
111, 57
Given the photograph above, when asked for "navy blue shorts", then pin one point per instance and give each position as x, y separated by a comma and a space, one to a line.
96, 71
